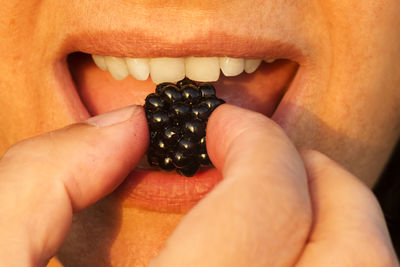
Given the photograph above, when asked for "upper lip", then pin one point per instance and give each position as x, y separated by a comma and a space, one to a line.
161, 34
122, 44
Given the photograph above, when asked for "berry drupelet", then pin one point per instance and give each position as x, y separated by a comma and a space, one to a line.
177, 115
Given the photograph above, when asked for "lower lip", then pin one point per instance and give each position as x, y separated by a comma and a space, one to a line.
166, 191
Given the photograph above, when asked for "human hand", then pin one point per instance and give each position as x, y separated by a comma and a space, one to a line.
276, 207
252, 218
43, 180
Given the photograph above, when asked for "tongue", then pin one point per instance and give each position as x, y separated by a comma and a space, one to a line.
259, 91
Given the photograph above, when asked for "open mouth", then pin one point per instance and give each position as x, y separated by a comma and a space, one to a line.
107, 82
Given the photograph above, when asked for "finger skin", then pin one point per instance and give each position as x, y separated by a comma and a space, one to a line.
260, 214
348, 228
43, 180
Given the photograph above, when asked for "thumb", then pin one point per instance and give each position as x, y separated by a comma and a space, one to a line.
43, 180
260, 214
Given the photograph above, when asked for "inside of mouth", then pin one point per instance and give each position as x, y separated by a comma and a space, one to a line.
260, 91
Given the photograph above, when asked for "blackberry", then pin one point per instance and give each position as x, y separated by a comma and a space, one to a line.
177, 115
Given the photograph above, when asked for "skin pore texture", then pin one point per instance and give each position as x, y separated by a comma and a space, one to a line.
344, 99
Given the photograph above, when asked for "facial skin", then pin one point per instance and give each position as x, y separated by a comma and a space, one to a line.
344, 100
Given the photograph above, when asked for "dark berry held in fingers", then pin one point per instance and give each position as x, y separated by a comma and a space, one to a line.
154, 102
204, 159
188, 146
181, 159
206, 90
201, 111
180, 111
195, 129
166, 163
177, 115
171, 135
172, 93
213, 102
160, 87
152, 158
153, 135
185, 81
158, 120
189, 170
191, 94
159, 146
202, 145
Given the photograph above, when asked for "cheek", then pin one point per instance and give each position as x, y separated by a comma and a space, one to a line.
349, 106
33, 102
355, 121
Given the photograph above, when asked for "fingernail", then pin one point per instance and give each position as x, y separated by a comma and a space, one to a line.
113, 117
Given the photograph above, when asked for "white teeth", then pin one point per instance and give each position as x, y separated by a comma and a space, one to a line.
271, 60
117, 67
138, 67
231, 66
100, 62
250, 65
165, 69
202, 69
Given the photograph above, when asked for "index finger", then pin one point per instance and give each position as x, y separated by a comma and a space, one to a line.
260, 214
349, 228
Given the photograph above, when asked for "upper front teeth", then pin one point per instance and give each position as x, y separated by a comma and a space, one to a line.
203, 69
117, 67
231, 66
164, 69
138, 68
